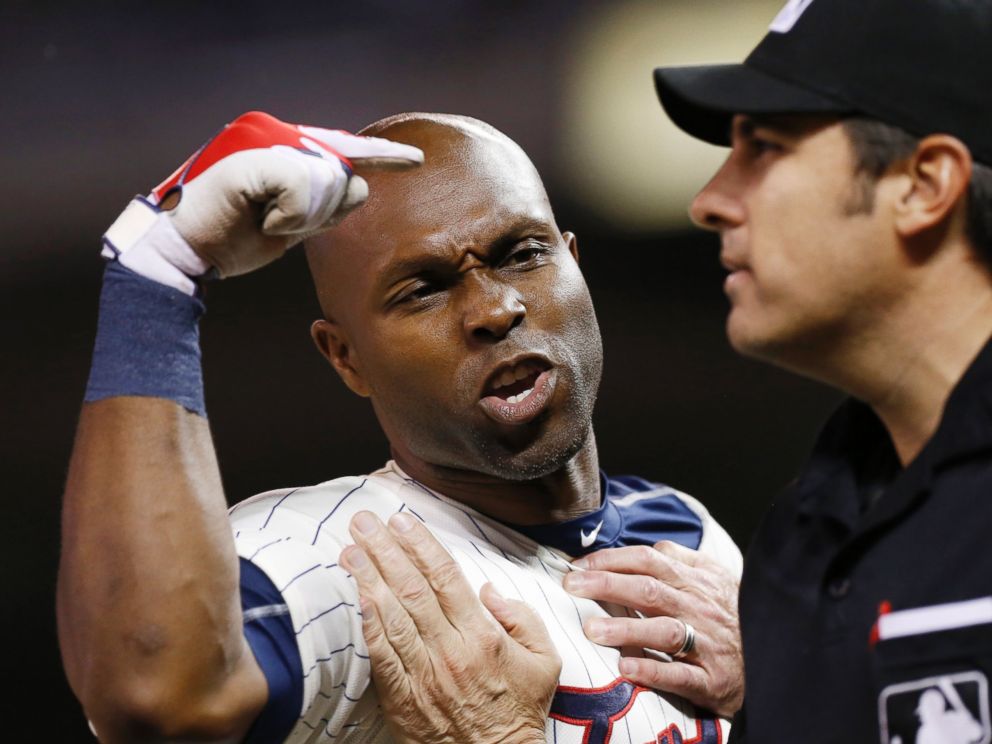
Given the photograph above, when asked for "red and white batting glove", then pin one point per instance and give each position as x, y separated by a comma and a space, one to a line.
255, 189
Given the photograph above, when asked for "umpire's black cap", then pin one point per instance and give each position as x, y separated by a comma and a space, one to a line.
922, 65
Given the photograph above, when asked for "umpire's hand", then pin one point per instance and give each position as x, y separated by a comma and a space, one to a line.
445, 671
670, 586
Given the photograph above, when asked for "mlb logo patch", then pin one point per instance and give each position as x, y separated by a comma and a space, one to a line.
936, 710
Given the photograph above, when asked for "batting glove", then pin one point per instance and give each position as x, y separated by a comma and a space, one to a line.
255, 189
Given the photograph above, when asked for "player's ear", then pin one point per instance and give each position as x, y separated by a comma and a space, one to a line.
938, 176
573, 244
333, 343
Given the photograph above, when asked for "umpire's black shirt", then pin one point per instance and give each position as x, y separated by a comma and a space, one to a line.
857, 535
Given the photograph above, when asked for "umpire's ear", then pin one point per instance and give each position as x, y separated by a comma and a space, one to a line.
932, 191
332, 341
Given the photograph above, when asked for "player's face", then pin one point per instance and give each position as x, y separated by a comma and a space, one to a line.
806, 267
473, 328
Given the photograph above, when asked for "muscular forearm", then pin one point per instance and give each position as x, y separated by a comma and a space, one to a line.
149, 618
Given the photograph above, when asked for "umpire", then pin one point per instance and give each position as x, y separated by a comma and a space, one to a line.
855, 217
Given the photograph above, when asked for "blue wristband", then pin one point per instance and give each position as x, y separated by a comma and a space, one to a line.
147, 342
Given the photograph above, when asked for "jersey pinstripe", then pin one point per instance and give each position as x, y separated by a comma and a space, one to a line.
295, 536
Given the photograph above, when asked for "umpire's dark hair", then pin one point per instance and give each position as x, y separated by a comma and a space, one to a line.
878, 145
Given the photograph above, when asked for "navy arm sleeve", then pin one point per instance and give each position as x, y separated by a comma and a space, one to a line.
268, 629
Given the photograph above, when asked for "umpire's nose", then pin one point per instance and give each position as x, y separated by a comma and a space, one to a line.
718, 205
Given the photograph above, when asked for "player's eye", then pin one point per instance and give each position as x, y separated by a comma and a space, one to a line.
525, 254
419, 291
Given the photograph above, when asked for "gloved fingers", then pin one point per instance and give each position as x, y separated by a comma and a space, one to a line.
354, 196
369, 152
335, 209
255, 188
302, 193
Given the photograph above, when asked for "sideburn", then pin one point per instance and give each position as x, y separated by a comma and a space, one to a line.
860, 199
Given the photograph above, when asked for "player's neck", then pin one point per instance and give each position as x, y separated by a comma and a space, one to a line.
569, 492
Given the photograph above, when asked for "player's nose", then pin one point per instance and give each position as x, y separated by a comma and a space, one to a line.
491, 308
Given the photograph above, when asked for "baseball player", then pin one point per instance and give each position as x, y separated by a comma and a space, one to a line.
450, 300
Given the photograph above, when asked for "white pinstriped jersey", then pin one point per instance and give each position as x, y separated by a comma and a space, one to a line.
295, 536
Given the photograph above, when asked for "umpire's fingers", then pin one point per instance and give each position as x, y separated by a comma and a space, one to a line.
684, 680
393, 639
450, 587
640, 559
520, 621
687, 556
704, 576
402, 578
388, 671
644, 593
660, 633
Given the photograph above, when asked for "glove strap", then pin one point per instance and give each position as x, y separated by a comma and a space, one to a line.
145, 240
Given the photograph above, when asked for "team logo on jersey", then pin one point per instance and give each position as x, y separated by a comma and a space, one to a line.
945, 708
788, 16
596, 709
707, 732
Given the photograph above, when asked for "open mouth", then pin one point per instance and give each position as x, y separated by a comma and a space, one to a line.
513, 383
516, 393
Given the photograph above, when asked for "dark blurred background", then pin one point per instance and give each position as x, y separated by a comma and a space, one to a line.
102, 100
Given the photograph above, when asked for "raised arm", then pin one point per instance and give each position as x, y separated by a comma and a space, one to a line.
148, 604
149, 618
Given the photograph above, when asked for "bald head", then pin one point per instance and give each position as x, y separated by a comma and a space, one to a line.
447, 274
453, 123
462, 155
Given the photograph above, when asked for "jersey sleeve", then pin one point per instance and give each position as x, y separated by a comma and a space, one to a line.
268, 629
321, 617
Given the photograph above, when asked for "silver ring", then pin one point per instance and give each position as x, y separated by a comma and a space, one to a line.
688, 644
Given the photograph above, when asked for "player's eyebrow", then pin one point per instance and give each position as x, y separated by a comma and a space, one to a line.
525, 226
405, 268
438, 259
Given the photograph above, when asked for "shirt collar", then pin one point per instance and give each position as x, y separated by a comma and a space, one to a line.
966, 425
582, 534
829, 484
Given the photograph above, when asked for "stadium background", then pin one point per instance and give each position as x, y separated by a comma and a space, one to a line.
103, 99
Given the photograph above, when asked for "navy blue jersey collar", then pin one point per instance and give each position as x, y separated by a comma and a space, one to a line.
633, 511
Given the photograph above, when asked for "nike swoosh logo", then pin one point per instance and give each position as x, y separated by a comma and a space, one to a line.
589, 539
